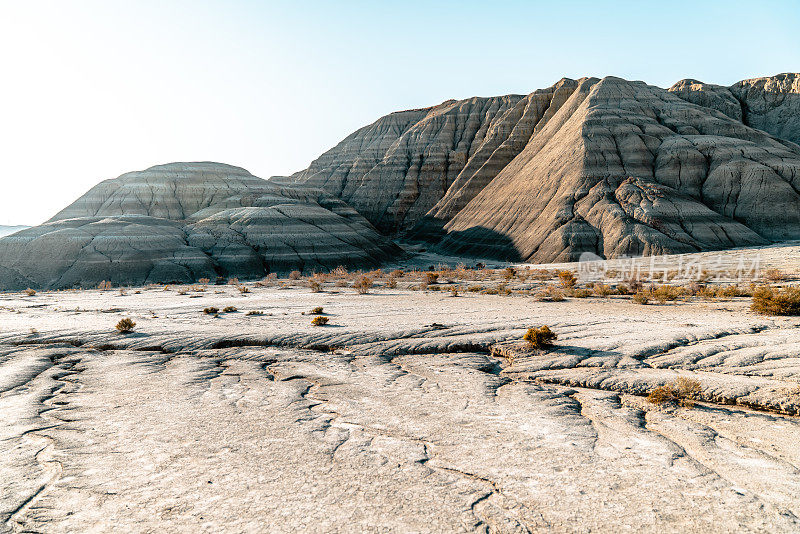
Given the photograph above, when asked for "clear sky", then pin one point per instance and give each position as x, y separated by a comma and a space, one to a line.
92, 89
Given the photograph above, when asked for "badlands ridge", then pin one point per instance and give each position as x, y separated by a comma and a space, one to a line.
606, 166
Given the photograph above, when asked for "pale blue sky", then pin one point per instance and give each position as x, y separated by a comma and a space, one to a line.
92, 89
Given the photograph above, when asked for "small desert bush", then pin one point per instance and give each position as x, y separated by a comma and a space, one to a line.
316, 311
683, 391
579, 293
204, 281
567, 279
774, 275
211, 310
391, 283
475, 288
233, 282
397, 273
540, 337
295, 275
550, 294
363, 284
315, 286
509, 273
602, 290
229, 309
255, 312
666, 293
776, 301
30, 292
243, 289
454, 291
641, 297
104, 285
431, 278
319, 320
541, 274
125, 326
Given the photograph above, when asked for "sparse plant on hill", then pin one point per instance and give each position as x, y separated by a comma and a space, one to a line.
567, 279
363, 284
319, 320
776, 301
540, 337
683, 391
125, 326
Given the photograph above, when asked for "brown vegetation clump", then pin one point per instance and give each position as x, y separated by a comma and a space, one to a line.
233, 282
243, 289
391, 283
211, 310
540, 337
774, 275
315, 286
682, 391
550, 294
509, 273
319, 320
567, 279
431, 278
363, 284
602, 290
255, 312
666, 293
316, 311
776, 301
104, 285
229, 309
204, 281
30, 292
125, 326
295, 275
641, 297
579, 293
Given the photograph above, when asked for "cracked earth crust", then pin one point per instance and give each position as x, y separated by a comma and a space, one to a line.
402, 415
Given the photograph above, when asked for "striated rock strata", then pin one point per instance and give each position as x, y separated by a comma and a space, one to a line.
607, 166
185, 221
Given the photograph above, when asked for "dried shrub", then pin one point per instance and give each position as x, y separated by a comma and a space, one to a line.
602, 290
540, 337
683, 391
475, 288
340, 271
431, 278
295, 275
454, 291
229, 309
776, 301
319, 320
316, 311
363, 284
204, 281
243, 289
391, 283
567, 279
550, 294
233, 282
397, 273
30, 292
641, 297
509, 273
315, 286
255, 312
211, 310
541, 274
125, 326
579, 293
105, 285
666, 293
774, 275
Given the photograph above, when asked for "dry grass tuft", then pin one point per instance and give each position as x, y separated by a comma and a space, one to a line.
776, 301
682, 391
641, 297
540, 337
567, 279
125, 326
319, 320
363, 284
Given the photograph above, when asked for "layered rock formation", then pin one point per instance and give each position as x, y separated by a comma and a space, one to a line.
607, 166
185, 221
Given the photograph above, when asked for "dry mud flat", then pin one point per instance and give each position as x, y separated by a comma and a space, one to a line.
395, 417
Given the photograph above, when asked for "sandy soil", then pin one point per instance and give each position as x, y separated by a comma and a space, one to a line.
400, 415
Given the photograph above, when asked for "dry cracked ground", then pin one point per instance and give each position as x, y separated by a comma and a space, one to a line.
398, 416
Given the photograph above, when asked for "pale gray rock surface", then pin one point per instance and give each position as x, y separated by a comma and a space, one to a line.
186, 221
383, 421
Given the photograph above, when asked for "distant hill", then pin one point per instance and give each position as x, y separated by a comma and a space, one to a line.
8, 230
